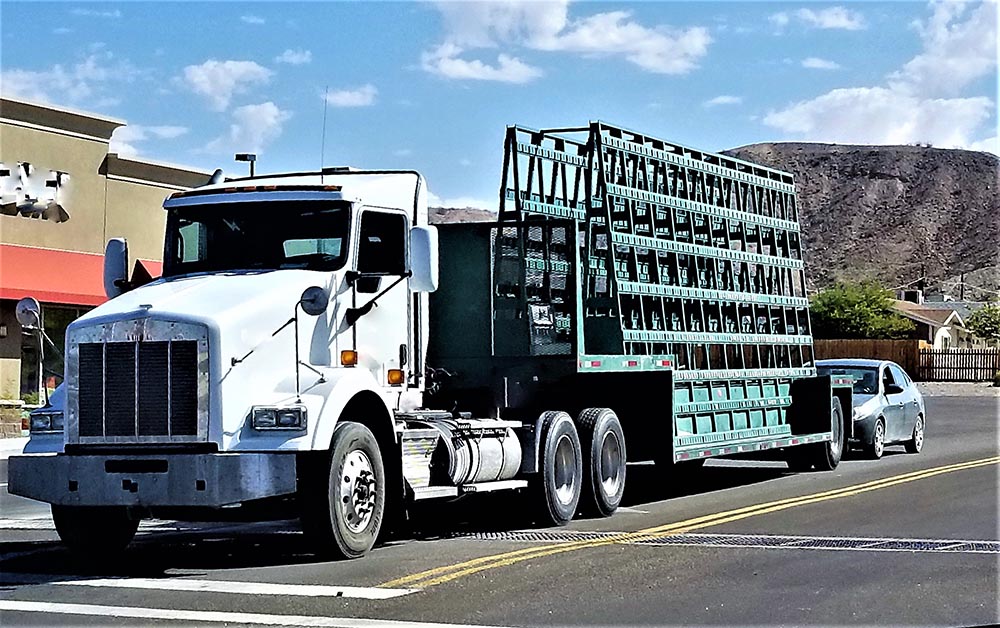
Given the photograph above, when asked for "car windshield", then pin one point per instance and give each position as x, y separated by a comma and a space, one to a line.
268, 235
865, 378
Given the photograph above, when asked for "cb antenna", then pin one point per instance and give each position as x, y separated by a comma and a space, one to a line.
322, 146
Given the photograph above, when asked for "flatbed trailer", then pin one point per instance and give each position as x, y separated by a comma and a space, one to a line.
639, 275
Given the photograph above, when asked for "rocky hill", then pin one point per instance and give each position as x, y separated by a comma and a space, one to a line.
881, 212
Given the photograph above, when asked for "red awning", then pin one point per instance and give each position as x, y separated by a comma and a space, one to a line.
52, 276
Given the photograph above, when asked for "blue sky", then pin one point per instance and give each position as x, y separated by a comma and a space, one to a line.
431, 85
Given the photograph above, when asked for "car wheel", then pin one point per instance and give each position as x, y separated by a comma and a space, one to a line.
876, 447
916, 442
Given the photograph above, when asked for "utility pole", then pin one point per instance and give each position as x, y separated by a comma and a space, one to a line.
961, 287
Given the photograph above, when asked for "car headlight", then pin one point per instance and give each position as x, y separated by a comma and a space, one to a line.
46, 422
274, 418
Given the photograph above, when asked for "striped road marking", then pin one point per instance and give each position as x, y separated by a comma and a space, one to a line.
243, 588
223, 617
447, 573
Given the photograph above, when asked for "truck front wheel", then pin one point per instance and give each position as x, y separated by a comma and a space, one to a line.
342, 515
94, 531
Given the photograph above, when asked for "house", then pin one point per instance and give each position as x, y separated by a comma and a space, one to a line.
941, 324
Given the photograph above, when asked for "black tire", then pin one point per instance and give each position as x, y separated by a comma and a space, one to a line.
821, 456
876, 447
603, 444
916, 442
343, 510
95, 531
559, 481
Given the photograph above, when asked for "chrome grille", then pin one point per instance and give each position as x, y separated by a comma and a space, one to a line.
136, 389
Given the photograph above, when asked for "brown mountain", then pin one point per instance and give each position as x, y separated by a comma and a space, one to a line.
881, 212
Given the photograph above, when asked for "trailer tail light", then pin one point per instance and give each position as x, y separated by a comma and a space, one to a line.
349, 358
396, 377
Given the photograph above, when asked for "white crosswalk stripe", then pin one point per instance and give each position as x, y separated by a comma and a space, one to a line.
243, 588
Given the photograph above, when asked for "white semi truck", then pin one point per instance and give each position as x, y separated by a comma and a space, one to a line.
301, 353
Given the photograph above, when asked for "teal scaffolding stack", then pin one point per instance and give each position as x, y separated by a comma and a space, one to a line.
625, 251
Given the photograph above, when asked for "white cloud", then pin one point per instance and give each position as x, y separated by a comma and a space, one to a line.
219, 80
461, 202
363, 96
988, 145
547, 26
921, 102
402, 152
444, 61
815, 63
91, 82
252, 128
252, 19
124, 139
62, 30
92, 13
723, 100
880, 115
829, 18
955, 53
294, 57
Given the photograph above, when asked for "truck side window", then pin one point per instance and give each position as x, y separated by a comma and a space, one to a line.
382, 243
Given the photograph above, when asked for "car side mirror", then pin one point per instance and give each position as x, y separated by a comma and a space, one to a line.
424, 259
115, 267
893, 389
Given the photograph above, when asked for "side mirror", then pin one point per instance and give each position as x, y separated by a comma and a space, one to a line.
893, 389
115, 267
424, 259
314, 300
28, 313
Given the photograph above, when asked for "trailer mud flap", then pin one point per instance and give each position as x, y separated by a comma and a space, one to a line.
811, 412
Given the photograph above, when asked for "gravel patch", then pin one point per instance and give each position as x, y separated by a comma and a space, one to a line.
958, 389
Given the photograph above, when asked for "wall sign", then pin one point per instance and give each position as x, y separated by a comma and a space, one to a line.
33, 192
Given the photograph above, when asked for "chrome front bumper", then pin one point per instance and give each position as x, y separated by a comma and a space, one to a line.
211, 480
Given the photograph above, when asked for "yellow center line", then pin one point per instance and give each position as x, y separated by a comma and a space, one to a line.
440, 575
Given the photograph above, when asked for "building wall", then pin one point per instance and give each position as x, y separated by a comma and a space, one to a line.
105, 195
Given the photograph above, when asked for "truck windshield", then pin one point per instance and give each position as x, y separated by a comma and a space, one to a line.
268, 235
865, 379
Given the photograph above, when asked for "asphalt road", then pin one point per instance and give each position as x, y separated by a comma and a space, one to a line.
909, 539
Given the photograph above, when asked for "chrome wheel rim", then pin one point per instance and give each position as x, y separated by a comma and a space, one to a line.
358, 489
612, 467
565, 470
878, 440
918, 434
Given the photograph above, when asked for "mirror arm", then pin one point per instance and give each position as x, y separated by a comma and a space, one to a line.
353, 314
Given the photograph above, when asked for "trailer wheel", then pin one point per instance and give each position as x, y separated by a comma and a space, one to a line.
559, 480
603, 443
94, 531
342, 515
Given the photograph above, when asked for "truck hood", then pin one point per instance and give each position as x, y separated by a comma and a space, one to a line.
219, 298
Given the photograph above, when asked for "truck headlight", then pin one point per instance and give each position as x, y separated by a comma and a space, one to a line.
273, 418
46, 422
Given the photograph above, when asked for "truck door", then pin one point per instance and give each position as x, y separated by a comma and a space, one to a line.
382, 335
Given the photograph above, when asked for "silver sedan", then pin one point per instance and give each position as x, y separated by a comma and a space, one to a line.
888, 408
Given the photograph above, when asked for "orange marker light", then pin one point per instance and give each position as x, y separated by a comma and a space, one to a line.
396, 377
348, 358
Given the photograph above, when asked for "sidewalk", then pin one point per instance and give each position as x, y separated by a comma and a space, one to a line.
958, 389
11, 446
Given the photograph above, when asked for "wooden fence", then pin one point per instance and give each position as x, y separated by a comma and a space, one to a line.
959, 365
905, 353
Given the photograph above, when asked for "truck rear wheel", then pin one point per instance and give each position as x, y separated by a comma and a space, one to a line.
341, 516
559, 481
94, 531
603, 444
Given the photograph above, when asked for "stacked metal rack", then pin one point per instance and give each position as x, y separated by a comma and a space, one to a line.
631, 252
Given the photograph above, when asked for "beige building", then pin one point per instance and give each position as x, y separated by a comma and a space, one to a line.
64, 196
